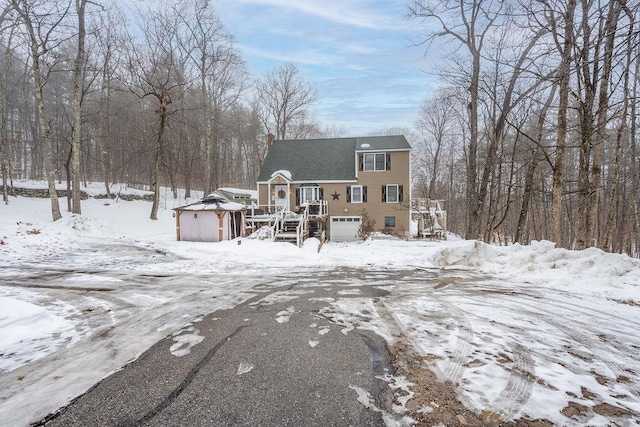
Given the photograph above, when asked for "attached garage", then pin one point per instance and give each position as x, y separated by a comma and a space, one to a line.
344, 228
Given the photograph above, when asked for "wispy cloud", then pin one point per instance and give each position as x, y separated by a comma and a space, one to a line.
308, 57
356, 52
339, 11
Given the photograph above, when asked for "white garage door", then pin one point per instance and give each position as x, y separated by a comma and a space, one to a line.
344, 228
200, 226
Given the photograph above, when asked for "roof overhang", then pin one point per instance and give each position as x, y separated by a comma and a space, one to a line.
381, 150
312, 183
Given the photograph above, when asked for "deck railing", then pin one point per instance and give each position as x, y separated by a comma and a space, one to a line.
261, 215
317, 208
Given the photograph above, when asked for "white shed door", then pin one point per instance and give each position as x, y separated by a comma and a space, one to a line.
344, 228
200, 226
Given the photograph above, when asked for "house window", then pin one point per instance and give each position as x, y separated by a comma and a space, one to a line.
356, 194
375, 162
392, 193
389, 221
309, 194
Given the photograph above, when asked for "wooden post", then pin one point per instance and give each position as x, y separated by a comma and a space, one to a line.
221, 216
178, 225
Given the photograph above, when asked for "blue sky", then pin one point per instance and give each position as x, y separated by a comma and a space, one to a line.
360, 54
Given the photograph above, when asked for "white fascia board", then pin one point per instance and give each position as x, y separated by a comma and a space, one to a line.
316, 182
383, 150
326, 181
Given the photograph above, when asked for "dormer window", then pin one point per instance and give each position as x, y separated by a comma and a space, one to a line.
375, 162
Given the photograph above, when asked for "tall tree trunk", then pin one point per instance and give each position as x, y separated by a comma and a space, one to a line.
615, 180
104, 130
67, 171
531, 167
611, 27
564, 76
526, 194
434, 172
473, 217
22, 8
47, 151
157, 167
588, 69
209, 165
4, 140
631, 210
78, 82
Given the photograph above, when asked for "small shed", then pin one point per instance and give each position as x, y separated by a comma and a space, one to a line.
212, 219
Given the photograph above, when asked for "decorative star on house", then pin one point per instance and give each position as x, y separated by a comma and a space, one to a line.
336, 195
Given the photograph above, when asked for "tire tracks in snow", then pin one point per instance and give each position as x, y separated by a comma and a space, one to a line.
594, 348
456, 364
582, 335
519, 387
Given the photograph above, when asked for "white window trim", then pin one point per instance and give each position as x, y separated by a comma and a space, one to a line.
361, 194
364, 162
397, 193
315, 196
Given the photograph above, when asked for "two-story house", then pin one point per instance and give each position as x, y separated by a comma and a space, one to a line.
351, 175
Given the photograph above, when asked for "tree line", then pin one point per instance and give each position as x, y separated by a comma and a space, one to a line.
532, 134
157, 95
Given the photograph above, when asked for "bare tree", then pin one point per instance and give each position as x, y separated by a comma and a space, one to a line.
602, 119
560, 23
284, 100
156, 74
630, 214
593, 63
435, 125
78, 83
466, 22
7, 27
220, 72
108, 40
537, 151
42, 31
510, 83
616, 211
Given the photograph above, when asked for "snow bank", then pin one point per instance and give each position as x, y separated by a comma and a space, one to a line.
29, 332
538, 257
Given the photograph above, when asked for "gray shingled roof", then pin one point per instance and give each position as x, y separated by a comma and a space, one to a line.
393, 142
329, 159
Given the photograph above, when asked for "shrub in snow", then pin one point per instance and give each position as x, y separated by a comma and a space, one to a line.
367, 225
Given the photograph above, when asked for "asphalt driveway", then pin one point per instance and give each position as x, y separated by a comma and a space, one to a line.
269, 361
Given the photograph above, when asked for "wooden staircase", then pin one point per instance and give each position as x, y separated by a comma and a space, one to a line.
290, 227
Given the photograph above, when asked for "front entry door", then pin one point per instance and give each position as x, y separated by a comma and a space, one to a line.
282, 198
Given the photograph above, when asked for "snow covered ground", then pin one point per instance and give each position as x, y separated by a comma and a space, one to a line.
523, 330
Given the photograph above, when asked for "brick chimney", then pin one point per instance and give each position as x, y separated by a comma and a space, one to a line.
270, 138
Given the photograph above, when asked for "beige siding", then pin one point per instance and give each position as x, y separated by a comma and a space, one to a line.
263, 198
375, 207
